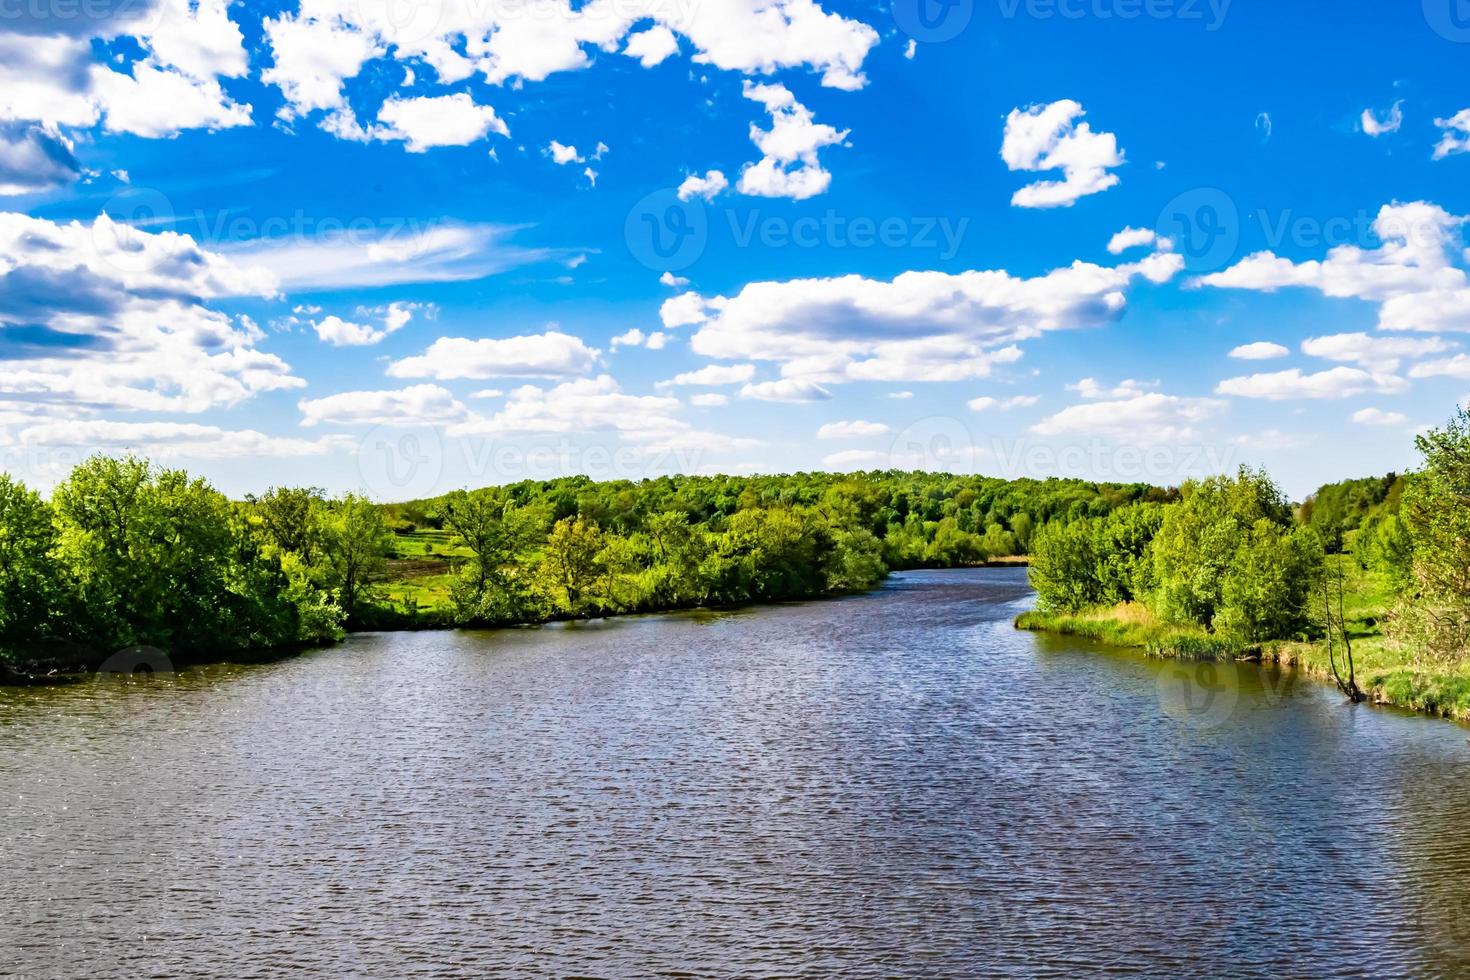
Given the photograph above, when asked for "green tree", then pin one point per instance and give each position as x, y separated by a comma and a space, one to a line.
290, 518
496, 532
355, 541
569, 568
1433, 614
31, 586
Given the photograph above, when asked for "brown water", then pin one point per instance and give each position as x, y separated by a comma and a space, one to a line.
896, 784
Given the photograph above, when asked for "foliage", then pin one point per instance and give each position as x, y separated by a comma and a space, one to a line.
1433, 613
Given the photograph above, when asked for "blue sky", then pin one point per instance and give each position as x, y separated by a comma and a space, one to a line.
411, 245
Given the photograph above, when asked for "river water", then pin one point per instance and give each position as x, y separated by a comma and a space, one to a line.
893, 784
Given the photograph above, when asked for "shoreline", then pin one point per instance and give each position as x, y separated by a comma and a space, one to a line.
1386, 680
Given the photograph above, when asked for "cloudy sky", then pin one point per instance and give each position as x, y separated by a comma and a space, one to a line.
407, 245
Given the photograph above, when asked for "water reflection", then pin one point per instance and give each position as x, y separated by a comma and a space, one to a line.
892, 784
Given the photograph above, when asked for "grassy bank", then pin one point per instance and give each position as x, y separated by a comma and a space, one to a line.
1387, 673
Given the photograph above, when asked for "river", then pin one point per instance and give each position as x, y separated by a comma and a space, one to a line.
892, 784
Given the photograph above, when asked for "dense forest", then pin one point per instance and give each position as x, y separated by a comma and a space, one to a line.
127, 554
1233, 558
124, 553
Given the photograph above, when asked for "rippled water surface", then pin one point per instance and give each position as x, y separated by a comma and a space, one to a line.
899, 783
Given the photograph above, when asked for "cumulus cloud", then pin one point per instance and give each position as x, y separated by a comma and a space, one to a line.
326, 42
708, 187
713, 375
594, 405
709, 399
789, 166
1151, 417
1381, 353
1261, 350
1050, 137
168, 440
1130, 238
920, 326
552, 354
1339, 382
986, 403
785, 390
1455, 135
440, 120
856, 459
1377, 416
1416, 274
106, 315
852, 430
1446, 367
342, 333
673, 281
34, 157
1092, 389
419, 404
1375, 125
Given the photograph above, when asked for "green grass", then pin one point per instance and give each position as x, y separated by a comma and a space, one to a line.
1387, 673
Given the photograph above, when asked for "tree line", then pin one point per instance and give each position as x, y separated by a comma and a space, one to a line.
125, 553
1231, 554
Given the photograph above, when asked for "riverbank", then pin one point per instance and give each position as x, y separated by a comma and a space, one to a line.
1386, 672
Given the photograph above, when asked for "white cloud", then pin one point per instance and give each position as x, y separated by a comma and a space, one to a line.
1093, 390
1414, 274
789, 166
584, 405
395, 255
1380, 353
35, 157
852, 430
1376, 416
656, 340
1261, 350
673, 281
108, 316
342, 333
653, 46
785, 390
708, 187
985, 403
1456, 135
426, 404
440, 120
1447, 367
1151, 417
709, 399
168, 440
683, 310
901, 396
1138, 238
156, 101
632, 338
549, 355
714, 374
1339, 382
921, 326
329, 41
1375, 125
850, 459
562, 155
1050, 137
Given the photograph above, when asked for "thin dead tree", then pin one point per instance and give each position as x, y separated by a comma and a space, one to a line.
1336, 622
